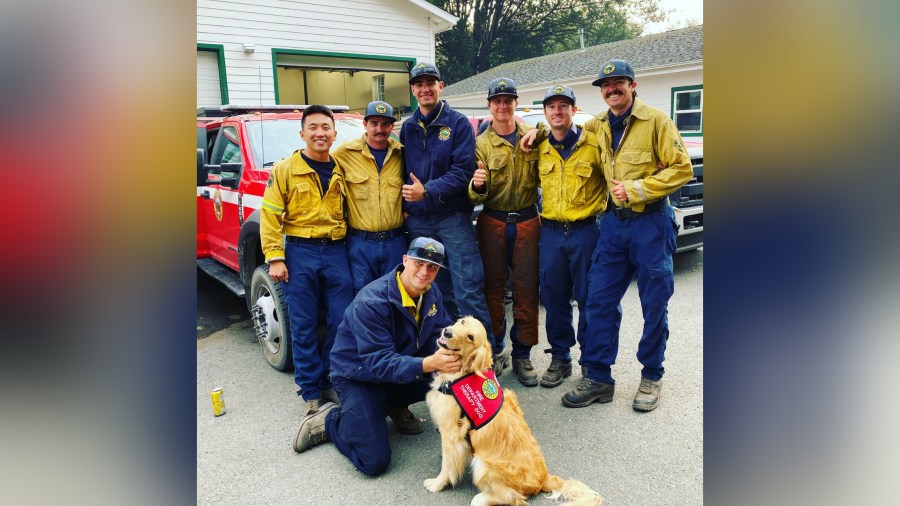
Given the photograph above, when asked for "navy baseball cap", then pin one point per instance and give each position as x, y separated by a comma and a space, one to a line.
559, 91
615, 68
424, 69
502, 86
379, 109
428, 250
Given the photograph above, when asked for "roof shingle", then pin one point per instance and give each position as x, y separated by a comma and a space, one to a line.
668, 48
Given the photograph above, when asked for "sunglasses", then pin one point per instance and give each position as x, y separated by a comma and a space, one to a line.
425, 254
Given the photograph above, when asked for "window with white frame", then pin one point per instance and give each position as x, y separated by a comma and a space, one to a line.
378, 88
687, 109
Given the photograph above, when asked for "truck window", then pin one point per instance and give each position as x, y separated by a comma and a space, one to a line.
227, 149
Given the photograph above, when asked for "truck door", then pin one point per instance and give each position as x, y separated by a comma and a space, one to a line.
220, 210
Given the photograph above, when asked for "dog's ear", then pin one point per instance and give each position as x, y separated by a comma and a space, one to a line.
482, 359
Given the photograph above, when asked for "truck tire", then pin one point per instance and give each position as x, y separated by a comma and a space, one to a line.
270, 319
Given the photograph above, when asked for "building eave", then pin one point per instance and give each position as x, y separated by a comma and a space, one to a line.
441, 19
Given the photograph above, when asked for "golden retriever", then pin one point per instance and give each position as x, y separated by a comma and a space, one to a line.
507, 463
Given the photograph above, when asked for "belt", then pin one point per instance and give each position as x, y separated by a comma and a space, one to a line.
567, 226
322, 241
512, 216
622, 212
377, 236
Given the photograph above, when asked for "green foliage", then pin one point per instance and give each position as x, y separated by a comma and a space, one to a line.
492, 32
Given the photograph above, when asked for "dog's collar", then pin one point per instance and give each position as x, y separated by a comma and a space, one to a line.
445, 388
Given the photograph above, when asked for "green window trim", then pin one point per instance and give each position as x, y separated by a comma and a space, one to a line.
219, 49
410, 63
675, 91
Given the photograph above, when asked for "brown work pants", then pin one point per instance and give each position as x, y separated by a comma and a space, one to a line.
504, 248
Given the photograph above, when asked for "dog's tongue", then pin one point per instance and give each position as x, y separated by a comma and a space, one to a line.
441, 339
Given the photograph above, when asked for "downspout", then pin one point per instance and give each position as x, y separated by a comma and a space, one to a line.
431, 33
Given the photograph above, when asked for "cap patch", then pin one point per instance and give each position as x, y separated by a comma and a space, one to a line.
380, 109
420, 66
559, 89
501, 85
609, 68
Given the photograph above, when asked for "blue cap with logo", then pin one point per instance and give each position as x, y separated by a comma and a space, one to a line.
559, 91
424, 69
428, 250
379, 109
502, 86
615, 68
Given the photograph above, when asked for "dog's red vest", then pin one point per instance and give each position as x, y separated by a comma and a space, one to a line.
479, 398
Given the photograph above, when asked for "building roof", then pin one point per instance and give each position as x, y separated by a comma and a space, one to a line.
444, 21
674, 47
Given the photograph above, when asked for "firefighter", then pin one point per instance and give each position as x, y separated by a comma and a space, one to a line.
574, 193
644, 160
439, 153
508, 227
384, 354
304, 200
373, 173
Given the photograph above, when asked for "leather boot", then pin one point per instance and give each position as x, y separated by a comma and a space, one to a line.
524, 371
556, 373
647, 396
588, 391
501, 362
312, 429
405, 420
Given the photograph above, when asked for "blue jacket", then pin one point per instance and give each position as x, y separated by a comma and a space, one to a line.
442, 156
378, 340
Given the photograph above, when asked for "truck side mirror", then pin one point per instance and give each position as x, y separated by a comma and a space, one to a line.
201, 167
230, 174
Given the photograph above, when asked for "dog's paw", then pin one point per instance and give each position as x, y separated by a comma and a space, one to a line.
479, 500
434, 484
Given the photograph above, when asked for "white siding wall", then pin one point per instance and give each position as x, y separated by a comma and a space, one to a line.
377, 27
655, 90
209, 93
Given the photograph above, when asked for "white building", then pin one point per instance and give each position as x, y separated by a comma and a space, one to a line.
346, 52
668, 69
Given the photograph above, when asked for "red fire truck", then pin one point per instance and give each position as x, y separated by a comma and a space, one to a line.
236, 149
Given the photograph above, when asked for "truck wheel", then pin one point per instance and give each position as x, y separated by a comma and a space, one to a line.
270, 319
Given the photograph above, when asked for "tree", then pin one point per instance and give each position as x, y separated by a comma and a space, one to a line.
491, 32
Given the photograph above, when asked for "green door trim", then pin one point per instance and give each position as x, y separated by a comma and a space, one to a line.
219, 49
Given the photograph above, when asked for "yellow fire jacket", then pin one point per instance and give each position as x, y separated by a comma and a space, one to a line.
651, 137
573, 189
293, 205
511, 182
373, 198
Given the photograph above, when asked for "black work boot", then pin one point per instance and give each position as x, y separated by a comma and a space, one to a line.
405, 420
312, 429
524, 370
556, 373
501, 362
588, 391
647, 396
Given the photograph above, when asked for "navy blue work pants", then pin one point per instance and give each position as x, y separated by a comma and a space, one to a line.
565, 259
370, 259
315, 272
644, 246
358, 428
463, 286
